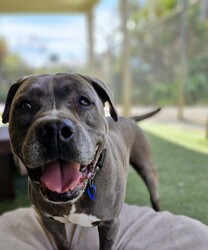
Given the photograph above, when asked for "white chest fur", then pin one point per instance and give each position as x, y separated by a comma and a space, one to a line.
84, 220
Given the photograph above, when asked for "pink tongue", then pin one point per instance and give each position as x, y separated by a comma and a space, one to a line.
62, 177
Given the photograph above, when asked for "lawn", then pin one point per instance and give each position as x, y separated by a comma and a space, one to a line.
182, 169
21, 195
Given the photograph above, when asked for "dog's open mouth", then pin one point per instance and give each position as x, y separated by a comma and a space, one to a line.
61, 176
61, 180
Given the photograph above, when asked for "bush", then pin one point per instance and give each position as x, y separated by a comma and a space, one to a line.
196, 87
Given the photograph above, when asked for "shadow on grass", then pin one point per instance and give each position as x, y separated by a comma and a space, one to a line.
183, 180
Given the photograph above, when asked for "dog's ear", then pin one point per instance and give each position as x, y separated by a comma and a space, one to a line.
12, 91
104, 93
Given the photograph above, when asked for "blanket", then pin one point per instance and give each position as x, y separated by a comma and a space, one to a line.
141, 228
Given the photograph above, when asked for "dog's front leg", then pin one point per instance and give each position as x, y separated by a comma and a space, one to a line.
108, 234
58, 232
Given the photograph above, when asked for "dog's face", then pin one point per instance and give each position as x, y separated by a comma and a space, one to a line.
58, 130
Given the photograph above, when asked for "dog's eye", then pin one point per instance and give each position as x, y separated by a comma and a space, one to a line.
84, 101
25, 105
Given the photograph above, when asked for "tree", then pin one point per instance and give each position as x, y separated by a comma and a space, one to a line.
12, 67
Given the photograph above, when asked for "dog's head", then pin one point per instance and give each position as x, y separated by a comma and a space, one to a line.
58, 130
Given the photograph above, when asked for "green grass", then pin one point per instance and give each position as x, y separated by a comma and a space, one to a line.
182, 170
182, 166
21, 195
185, 136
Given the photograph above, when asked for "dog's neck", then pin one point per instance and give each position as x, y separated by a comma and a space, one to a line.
91, 189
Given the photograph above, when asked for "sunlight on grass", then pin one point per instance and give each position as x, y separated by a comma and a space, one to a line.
182, 176
184, 136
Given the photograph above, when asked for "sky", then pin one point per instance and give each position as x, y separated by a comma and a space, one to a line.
36, 37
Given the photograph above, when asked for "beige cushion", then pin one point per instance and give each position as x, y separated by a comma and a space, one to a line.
141, 228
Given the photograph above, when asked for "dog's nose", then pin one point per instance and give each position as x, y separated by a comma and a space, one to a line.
65, 130
55, 130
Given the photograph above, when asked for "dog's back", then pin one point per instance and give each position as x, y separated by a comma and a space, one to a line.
137, 149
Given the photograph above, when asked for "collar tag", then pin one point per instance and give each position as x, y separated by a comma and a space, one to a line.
91, 191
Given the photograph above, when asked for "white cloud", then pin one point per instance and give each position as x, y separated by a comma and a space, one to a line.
28, 31
107, 23
63, 37
64, 29
36, 37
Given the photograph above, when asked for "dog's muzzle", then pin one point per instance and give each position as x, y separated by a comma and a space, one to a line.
61, 179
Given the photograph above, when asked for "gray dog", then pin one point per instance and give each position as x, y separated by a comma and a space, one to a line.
77, 159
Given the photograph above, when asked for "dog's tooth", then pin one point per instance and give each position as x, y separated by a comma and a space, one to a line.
83, 169
37, 182
89, 175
